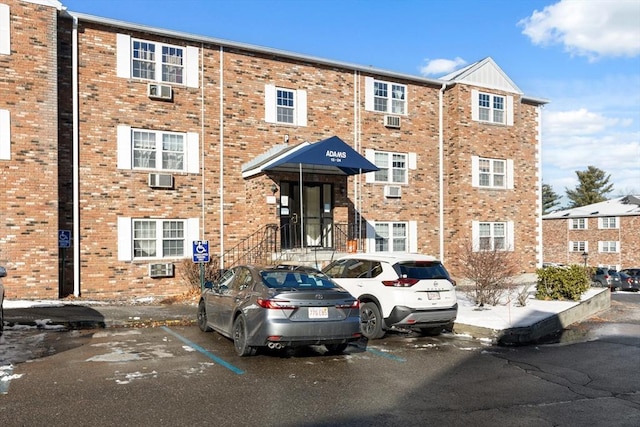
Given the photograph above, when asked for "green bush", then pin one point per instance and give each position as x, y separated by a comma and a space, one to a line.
562, 283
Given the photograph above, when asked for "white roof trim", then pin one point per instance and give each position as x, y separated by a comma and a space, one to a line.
622, 206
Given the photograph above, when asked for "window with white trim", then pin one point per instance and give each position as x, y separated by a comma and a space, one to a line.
578, 223
608, 246
492, 173
158, 238
5, 30
5, 135
393, 167
285, 106
608, 222
385, 97
491, 108
391, 237
157, 150
157, 62
155, 238
580, 246
493, 236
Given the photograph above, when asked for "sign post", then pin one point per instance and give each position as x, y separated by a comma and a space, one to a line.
201, 256
64, 242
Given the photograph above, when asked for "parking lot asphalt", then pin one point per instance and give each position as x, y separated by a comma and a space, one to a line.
504, 324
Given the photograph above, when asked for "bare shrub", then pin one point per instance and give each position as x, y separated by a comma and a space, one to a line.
491, 271
190, 273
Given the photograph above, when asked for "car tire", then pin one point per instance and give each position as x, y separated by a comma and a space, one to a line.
240, 338
202, 317
336, 348
371, 321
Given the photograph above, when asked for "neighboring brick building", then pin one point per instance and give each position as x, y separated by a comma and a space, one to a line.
606, 233
172, 137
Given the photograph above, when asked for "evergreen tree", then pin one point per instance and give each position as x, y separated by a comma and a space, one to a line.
549, 199
593, 185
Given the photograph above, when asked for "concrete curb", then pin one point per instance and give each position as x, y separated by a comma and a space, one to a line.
544, 328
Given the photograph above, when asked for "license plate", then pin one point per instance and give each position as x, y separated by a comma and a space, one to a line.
318, 312
433, 295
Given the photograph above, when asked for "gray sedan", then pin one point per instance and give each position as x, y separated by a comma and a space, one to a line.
3, 273
279, 307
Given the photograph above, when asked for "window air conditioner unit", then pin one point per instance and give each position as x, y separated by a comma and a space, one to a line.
158, 180
158, 91
392, 121
161, 270
392, 191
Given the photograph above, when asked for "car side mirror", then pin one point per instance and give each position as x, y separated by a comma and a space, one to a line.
208, 285
3, 272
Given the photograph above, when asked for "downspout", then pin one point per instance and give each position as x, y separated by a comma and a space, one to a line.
76, 160
356, 179
441, 170
202, 141
221, 166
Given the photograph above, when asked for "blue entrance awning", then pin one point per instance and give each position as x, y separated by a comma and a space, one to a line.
330, 156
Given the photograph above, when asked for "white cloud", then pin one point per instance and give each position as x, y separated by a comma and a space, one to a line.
441, 66
594, 28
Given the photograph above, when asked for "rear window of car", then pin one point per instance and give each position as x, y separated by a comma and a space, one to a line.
296, 279
423, 270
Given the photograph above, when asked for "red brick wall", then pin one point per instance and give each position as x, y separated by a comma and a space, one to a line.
557, 235
28, 182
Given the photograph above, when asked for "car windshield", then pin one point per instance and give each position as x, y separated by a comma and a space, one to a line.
422, 270
296, 279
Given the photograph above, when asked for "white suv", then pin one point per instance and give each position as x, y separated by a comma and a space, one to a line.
398, 289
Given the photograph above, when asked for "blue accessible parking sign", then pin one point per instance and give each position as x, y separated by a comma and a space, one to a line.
64, 239
200, 251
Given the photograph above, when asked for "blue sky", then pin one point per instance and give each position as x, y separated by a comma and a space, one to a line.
581, 55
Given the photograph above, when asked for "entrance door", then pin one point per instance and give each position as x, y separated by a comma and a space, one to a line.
313, 227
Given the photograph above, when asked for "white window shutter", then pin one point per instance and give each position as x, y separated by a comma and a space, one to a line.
368, 93
475, 108
509, 111
5, 135
413, 236
125, 241
124, 146
370, 155
475, 235
269, 103
510, 177
192, 234
5, 30
475, 171
192, 66
301, 107
413, 161
371, 237
193, 152
586, 247
510, 236
600, 245
123, 59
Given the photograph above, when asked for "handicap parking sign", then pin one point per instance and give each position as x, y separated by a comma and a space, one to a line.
200, 251
64, 239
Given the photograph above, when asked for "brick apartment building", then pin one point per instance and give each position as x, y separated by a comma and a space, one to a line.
139, 141
604, 234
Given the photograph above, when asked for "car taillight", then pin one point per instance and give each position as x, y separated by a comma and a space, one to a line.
272, 303
400, 283
354, 304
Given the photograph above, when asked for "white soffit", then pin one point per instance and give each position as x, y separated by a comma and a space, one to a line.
487, 74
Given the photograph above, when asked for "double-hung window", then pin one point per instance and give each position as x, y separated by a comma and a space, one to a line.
146, 149
157, 62
491, 108
158, 238
492, 173
392, 167
608, 246
385, 97
285, 106
391, 237
493, 236
577, 246
608, 222
578, 223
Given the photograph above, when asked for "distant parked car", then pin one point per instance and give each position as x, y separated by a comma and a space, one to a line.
3, 273
398, 290
635, 272
279, 307
629, 283
606, 278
